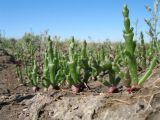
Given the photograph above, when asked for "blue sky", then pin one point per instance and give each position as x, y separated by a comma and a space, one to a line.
99, 19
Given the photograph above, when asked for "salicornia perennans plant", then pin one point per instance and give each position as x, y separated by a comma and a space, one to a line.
46, 79
74, 67
54, 71
112, 69
19, 74
84, 63
33, 76
130, 46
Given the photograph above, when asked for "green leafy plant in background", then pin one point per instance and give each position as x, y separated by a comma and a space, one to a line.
143, 52
153, 25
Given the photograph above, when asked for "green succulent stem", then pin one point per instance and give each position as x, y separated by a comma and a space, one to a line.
53, 64
143, 51
149, 71
112, 70
50, 50
19, 74
33, 75
46, 81
74, 71
130, 46
74, 67
52, 71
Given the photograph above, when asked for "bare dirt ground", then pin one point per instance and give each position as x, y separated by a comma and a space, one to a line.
21, 103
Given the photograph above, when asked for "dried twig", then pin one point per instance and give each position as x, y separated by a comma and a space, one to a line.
122, 101
150, 100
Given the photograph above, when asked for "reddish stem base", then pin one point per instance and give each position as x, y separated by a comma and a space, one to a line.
35, 88
134, 88
77, 88
113, 89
